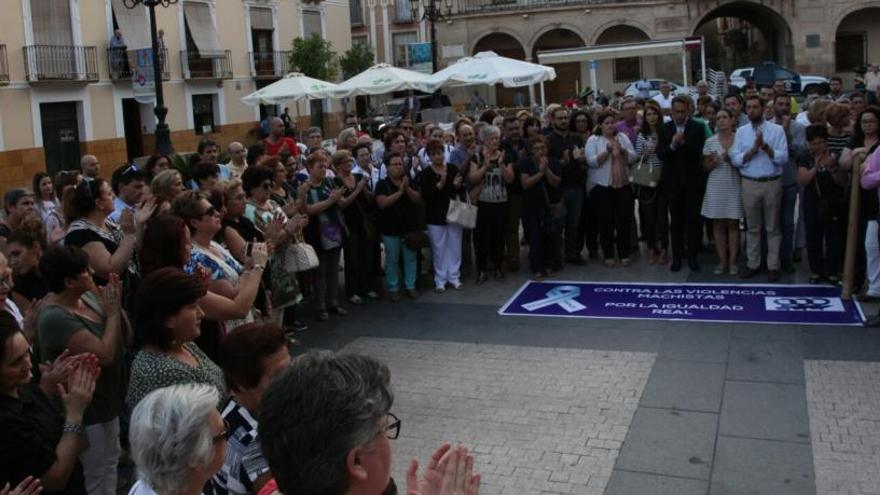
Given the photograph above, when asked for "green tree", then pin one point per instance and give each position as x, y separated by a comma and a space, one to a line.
314, 57
357, 59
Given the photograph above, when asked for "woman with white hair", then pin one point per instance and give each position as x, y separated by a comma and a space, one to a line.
178, 440
490, 177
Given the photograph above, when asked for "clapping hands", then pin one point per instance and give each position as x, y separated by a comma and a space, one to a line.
449, 472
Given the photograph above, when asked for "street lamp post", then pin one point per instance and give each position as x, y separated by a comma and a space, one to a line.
163, 134
434, 12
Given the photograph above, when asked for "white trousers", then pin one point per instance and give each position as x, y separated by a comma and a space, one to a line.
872, 250
100, 460
446, 252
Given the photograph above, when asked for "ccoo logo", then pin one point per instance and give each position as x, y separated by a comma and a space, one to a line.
803, 304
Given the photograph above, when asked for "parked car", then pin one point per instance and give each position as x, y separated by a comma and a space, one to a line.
770, 72
677, 88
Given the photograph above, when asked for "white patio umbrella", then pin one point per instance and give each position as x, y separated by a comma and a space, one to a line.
489, 68
293, 87
379, 79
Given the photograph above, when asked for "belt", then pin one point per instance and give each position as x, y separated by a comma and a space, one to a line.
762, 179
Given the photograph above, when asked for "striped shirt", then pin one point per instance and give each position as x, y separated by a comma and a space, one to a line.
244, 460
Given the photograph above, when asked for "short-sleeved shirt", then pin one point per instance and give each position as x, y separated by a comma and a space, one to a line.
397, 219
822, 185
244, 460
55, 327
32, 427
437, 200
82, 232
275, 149
537, 196
153, 370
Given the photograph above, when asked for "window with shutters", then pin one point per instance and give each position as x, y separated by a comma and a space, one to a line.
51, 22
402, 12
356, 12
312, 23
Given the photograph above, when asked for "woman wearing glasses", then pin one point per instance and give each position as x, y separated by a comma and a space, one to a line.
178, 440
168, 319
203, 221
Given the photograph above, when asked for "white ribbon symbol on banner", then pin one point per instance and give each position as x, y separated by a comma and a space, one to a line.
564, 295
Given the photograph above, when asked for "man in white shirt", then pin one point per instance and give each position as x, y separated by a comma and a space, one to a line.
237, 163
664, 99
129, 184
643, 88
759, 151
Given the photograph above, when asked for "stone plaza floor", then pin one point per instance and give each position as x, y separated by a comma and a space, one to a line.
559, 405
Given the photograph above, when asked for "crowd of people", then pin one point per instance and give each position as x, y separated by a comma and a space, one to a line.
151, 313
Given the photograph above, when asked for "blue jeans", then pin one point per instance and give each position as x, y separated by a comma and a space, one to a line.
789, 199
393, 247
573, 197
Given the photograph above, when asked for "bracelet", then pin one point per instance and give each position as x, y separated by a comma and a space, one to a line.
74, 428
258, 267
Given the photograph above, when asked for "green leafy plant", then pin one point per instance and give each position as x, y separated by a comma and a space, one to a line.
314, 57
356, 59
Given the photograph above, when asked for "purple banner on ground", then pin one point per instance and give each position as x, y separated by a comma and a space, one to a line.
782, 304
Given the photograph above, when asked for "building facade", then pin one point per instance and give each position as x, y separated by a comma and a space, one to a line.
828, 37
67, 86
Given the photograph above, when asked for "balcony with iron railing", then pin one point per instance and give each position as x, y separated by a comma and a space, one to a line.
61, 63
120, 66
468, 7
4, 66
204, 65
270, 65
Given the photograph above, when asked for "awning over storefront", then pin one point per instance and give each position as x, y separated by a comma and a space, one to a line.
605, 52
202, 30
134, 24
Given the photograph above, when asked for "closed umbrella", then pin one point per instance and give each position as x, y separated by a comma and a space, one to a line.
293, 87
379, 79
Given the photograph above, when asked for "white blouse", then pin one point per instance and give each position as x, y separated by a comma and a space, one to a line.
600, 173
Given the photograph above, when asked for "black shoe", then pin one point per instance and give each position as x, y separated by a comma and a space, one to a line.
576, 260
787, 265
296, 327
797, 255
482, 277
749, 273
676, 265
693, 265
773, 276
499, 275
873, 322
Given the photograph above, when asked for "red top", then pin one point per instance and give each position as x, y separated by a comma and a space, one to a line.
275, 149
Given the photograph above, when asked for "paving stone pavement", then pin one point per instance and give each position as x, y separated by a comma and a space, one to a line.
843, 400
540, 419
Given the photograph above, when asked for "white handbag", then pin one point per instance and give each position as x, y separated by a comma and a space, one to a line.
300, 257
462, 212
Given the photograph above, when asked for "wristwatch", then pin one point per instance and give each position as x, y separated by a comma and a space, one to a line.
74, 428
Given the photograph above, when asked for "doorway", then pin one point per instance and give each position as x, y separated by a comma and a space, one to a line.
60, 125
131, 121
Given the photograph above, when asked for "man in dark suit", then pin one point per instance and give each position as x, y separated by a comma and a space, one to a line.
680, 147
